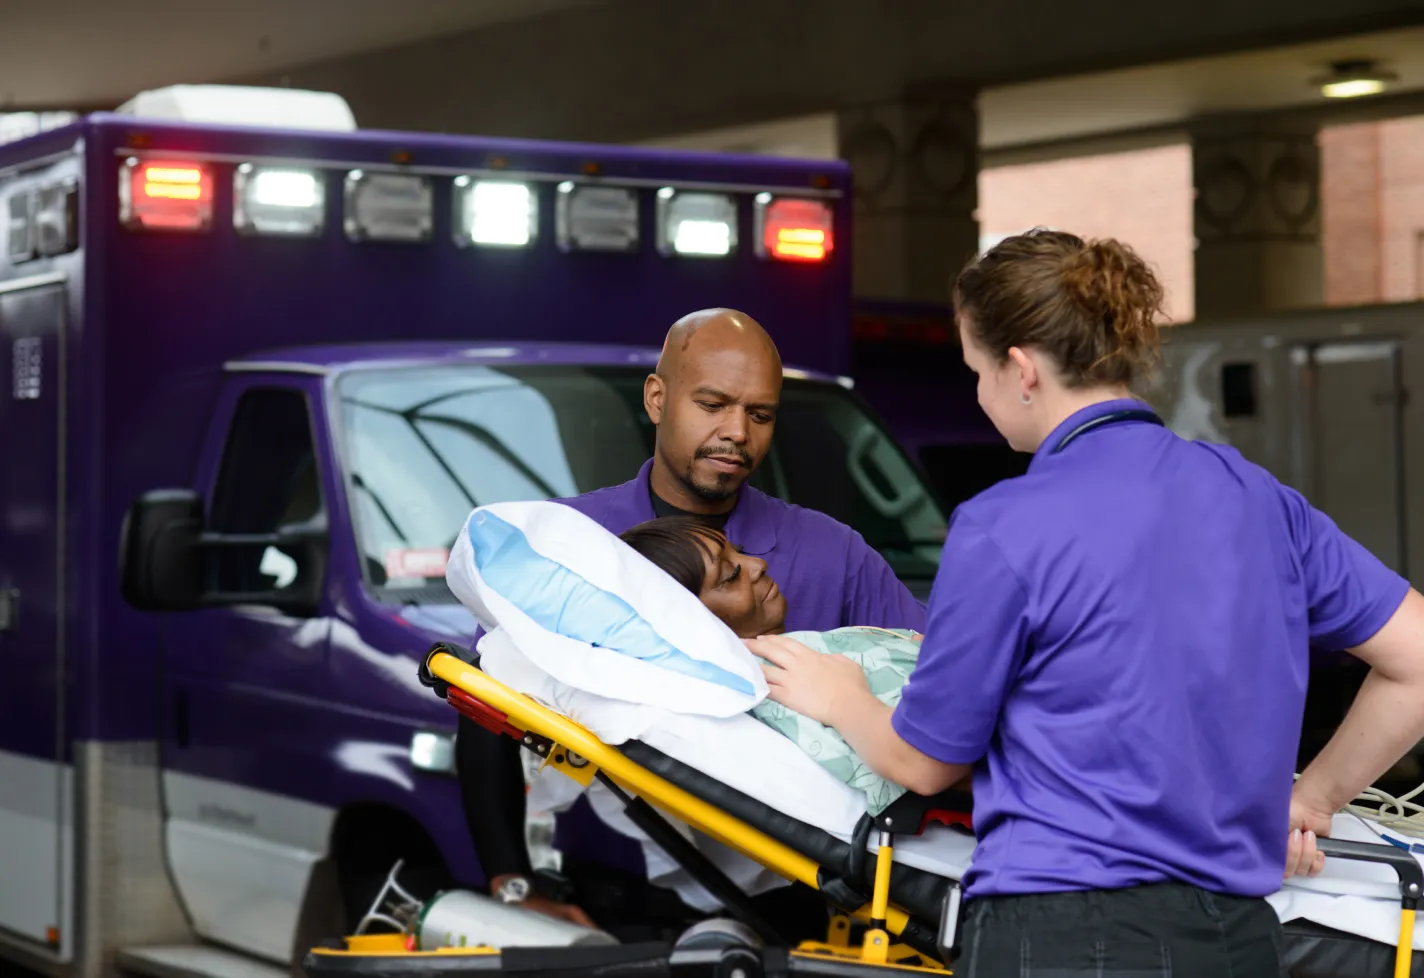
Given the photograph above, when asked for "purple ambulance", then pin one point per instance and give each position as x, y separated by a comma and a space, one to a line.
260, 369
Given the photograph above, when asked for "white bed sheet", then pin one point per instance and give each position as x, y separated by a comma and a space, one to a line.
749, 756
739, 751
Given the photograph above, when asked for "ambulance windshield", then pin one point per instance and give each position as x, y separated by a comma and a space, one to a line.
422, 446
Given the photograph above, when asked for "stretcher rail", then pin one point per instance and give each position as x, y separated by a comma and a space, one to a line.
1411, 887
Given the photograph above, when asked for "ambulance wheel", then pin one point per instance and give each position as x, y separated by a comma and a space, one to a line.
366, 843
322, 918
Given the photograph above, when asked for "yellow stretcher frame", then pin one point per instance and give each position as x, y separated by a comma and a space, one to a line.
579, 754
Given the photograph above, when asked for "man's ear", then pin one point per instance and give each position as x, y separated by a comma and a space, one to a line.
654, 397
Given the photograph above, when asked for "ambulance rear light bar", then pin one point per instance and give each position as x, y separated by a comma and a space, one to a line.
497, 213
389, 207
278, 201
397, 205
592, 217
793, 228
165, 195
696, 223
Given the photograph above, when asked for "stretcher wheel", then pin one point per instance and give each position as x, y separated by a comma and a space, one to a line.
719, 932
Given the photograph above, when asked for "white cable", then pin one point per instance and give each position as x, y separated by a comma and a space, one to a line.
1401, 814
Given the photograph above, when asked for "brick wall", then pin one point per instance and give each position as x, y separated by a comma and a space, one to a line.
1350, 165
1372, 209
1143, 197
1401, 208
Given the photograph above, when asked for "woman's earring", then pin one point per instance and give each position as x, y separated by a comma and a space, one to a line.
1025, 398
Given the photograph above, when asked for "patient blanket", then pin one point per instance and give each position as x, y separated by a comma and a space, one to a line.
887, 657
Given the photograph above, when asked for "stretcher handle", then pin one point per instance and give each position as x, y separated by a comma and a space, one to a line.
1411, 874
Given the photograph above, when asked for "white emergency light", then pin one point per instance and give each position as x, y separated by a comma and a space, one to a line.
278, 200
495, 212
388, 207
590, 217
244, 105
696, 223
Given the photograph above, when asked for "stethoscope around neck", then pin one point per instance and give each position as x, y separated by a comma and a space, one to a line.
1102, 421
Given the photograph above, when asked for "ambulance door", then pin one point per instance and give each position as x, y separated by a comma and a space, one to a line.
35, 809
1355, 472
249, 738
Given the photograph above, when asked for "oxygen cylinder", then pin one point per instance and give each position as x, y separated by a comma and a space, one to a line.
461, 918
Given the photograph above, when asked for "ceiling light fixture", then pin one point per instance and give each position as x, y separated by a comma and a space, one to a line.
1353, 79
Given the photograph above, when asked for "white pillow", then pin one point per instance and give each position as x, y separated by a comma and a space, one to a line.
597, 615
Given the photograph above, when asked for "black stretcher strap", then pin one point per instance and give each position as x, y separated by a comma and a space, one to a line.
919, 893
618, 961
1313, 951
698, 866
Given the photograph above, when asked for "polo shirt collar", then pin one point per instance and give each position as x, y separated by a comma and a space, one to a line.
1081, 417
751, 525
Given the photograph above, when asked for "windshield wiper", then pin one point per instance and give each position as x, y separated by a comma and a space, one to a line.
487, 438
360, 483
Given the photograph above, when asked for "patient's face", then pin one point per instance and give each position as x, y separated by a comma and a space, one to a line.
738, 590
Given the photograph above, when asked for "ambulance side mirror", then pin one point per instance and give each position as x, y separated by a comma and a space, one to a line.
159, 564
168, 561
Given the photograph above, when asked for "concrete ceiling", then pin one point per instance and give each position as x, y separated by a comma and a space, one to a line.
87, 54
1131, 106
59, 54
1163, 95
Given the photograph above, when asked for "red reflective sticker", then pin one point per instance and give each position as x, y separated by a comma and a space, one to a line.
427, 562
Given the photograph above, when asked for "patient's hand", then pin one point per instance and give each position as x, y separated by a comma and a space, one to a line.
818, 686
573, 913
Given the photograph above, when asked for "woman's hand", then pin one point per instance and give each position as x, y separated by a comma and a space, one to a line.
1307, 823
813, 684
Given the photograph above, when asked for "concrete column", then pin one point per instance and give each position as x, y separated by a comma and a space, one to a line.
916, 164
1257, 216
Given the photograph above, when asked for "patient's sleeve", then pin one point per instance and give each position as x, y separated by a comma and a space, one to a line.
972, 650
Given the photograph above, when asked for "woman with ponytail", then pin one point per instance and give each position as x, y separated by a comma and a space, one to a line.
1117, 649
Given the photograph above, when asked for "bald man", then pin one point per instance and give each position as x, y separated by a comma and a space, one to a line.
713, 398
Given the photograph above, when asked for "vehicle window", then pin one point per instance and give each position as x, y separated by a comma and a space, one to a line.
424, 446
268, 480
830, 456
960, 472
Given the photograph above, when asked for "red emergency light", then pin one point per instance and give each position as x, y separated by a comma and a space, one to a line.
795, 229
166, 194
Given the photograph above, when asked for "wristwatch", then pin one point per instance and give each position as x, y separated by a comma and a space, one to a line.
516, 889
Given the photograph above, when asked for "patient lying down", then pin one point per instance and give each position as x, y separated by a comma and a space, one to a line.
736, 588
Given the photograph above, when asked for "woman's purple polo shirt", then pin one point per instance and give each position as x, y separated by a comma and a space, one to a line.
1121, 637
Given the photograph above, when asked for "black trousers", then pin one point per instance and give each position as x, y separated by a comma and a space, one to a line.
1163, 930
